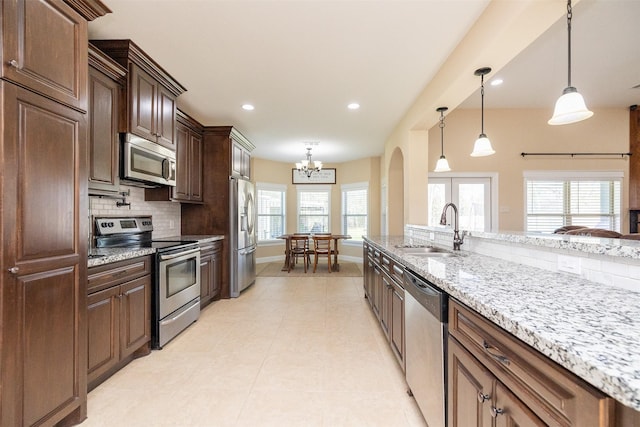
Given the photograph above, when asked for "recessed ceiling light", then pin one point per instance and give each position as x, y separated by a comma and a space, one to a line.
496, 82
353, 106
248, 107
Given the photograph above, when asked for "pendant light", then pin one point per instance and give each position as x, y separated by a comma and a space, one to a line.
482, 147
443, 164
570, 107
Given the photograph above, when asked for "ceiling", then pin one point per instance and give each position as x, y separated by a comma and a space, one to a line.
300, 63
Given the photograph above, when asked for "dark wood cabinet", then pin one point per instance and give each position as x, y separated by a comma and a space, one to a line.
119, 316
189, 160
106, 79
213, 215
490, 371
150, 94
240, 159
32, 57
383, 288
210, 271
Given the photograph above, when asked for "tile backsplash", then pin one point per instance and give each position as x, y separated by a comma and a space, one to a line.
166, 215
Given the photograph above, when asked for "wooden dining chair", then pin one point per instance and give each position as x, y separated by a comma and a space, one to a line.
299, 248
322, 247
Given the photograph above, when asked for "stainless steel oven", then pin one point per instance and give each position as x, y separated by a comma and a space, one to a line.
178, 291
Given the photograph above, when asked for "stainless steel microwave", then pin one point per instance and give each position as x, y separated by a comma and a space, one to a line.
146, 163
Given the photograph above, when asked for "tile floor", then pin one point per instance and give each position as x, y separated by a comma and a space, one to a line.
288, 352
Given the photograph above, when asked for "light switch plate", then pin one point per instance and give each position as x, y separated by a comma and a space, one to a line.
570, 264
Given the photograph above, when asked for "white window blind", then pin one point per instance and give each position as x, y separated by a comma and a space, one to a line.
355, 201
271, 210
313, 210
573, 200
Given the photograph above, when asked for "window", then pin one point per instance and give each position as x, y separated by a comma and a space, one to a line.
313, 209
355, 200
556, 199
271, 210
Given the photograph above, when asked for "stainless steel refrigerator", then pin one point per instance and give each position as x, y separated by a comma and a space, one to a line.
242, 236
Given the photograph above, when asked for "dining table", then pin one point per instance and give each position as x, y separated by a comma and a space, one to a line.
287, 250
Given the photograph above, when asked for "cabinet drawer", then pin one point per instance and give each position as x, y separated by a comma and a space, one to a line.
397, 274
104, 276
210, 248
556, 395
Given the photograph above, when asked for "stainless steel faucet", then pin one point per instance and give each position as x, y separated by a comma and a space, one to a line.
457, 240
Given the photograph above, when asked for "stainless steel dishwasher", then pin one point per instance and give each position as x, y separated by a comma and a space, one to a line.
426, 334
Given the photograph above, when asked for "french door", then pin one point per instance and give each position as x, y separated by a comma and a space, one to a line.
472, 196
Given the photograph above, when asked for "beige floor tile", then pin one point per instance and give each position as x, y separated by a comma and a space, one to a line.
287, 352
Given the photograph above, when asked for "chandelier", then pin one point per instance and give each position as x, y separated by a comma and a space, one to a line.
305, 165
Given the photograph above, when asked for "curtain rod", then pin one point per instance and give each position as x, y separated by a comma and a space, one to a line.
575, 154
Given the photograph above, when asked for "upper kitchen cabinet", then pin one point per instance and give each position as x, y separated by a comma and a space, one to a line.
44, 47
150, 94
106, 81
240, 150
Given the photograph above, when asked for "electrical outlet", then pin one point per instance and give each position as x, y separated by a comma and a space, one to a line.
432, 236
172, 224
570, 264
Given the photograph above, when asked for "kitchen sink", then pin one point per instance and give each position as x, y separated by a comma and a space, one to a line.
427, 251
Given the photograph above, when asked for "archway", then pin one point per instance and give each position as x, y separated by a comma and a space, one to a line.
395, 195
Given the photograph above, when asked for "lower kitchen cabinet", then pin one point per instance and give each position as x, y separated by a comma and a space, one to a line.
119, 316
210, 271
383, 289
496, 380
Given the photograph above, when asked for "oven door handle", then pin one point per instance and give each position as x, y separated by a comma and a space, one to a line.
168, 257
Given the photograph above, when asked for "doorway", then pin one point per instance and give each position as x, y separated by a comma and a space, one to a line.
475, 197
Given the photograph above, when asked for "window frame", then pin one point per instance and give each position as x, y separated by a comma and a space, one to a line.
315, 188
345, 188
281, 188
567, 177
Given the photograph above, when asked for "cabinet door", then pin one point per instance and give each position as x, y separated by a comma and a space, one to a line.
246, 164
376, 290
104, 331
135, 318
104, 96
181, 190
206, 277
34, 58
236, 160
143, 103
396, 333
509, 411
469, 388
43, 264
385, 306
195, 167
165, 118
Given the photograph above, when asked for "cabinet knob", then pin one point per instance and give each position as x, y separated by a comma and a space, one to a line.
496, 411
14, 270
14, 63
483, 397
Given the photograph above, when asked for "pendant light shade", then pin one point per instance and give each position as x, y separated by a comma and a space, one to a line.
442, 165
570, 107
482, 147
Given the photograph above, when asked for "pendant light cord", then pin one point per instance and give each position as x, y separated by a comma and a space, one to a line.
442, 133
482, 104
569, 16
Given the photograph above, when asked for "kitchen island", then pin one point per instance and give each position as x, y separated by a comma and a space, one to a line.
590, 329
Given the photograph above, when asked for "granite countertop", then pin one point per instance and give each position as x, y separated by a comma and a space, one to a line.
109, 255
593, 330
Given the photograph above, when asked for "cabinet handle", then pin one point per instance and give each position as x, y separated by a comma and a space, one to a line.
496, 411
14, 270
494, 352
483, 397
14, 63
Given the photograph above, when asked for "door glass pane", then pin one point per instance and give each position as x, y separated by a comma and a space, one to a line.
437, 198
471, 207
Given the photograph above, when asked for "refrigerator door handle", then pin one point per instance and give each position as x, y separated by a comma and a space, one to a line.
247, 251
